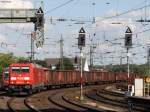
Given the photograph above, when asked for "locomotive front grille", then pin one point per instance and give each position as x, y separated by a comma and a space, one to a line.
19, 87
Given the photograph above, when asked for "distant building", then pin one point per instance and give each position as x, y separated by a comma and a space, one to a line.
52, 62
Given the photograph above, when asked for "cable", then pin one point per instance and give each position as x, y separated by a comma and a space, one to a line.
70, 8
123, 13
126, 12
59, 6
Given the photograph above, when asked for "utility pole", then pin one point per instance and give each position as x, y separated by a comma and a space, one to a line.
121, 61
148, 60
61, 53
92, 47
32, 49
91, 58
93, 13
32, 37
91, 64
148, 84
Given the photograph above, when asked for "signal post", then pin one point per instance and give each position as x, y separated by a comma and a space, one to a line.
128, 45
81, 44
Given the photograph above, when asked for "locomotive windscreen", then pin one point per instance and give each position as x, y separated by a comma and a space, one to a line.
25, 69
20, 69
16, 69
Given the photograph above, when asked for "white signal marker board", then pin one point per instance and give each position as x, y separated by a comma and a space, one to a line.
139, 87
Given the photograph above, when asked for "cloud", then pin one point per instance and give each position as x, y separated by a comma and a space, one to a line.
2, 38
108, 29
16, 4
111, 12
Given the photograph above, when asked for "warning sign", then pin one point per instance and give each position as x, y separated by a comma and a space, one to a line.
147, 79
128, 30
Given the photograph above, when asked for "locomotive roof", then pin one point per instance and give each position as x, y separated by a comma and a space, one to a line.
26, 64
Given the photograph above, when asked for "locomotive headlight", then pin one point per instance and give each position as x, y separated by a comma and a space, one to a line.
27, 87
26, 78
13, 78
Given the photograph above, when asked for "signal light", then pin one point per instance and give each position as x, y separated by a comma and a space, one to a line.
39, 18
76, 60
81, 38
128, 38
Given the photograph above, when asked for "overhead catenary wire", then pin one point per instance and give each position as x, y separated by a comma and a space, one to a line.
123, 13
70, 8
59, 6
119, 14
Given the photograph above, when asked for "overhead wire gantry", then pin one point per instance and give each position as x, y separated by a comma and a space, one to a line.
35, 16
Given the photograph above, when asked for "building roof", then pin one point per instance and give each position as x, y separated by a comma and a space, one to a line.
51, 61
54, 61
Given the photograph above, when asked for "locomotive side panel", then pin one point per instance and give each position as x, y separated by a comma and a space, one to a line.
5, 78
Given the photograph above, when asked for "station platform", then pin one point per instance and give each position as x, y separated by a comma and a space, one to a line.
139, 101
139, 98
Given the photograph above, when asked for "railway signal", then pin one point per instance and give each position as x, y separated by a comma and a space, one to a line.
128, 38
81, 38
148, 59
81, 44
76, 59
128, 44
40, 18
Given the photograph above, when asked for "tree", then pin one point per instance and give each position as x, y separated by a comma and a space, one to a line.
67, 65
22, 60
141, 70
42, 63
6, 60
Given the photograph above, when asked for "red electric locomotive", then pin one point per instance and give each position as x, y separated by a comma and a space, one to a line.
5, 78
26, 77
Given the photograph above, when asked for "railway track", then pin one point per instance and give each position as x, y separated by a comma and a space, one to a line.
3, 101
100, 98
41, 102
60, 100
19, 104
112, 98
120, 98
3, 93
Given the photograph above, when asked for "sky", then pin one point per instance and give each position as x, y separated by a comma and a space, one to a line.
103, 33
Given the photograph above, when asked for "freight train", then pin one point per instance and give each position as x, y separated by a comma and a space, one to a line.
30, 77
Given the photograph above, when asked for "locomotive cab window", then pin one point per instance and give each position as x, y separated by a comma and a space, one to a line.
25, 69
16, 69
